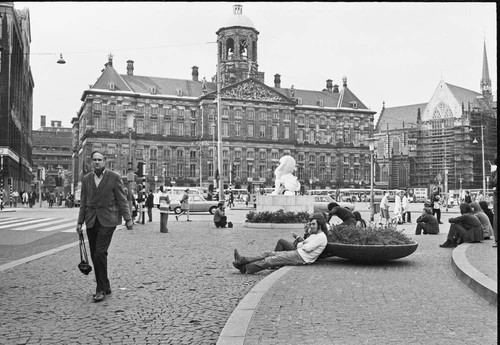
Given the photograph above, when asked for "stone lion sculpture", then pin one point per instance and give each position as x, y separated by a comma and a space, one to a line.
286, 183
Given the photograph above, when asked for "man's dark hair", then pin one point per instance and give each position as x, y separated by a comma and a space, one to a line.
97, 151
332, 205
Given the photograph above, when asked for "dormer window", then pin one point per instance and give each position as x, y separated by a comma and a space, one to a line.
299, 100
153, 90
179, 92
354, 105
111, 86
320, 102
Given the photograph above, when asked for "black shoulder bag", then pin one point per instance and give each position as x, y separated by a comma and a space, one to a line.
84, 265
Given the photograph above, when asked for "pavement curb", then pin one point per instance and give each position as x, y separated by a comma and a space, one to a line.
473, 278
236, 326
274, 225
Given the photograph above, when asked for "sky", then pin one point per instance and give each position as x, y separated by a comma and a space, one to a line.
390, 52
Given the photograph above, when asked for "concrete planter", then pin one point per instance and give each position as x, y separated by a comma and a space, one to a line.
370, 253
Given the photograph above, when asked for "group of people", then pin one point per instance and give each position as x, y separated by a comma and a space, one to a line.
401, 208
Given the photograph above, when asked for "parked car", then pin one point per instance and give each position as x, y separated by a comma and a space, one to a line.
321, 203
197, 203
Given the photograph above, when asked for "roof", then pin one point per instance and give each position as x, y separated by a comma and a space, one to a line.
395, 117
238, 19
167, 86
463, 95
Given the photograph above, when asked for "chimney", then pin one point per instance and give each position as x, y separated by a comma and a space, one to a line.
344, 81
130, 67
329, 85
335, 88
194, 73
43, 121
277, 80
110, 60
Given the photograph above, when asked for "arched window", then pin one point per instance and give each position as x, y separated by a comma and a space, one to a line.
384, 174
229, 48
396, 151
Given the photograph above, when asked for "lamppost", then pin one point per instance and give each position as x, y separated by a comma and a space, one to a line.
130, 125
219, 125
482, 155
371, 143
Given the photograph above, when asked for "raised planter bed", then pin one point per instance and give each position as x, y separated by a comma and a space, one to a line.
370, 253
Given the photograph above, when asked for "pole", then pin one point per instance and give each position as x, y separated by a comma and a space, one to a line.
219, 126
201, 176
372, 205
445, 178
484, 171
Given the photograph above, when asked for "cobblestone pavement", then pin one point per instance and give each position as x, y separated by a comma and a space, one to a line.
414, 300
174, 288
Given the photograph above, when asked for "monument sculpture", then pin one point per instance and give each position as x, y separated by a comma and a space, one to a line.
286, 183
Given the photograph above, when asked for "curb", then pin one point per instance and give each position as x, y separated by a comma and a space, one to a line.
470, 276
274, 225
15, 263
235, 329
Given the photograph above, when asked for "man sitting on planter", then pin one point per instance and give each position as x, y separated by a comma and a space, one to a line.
306, 253
343, 213
465, 228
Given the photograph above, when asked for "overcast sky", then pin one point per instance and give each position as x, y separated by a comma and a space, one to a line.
392, 52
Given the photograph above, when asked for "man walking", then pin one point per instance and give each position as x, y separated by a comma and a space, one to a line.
150, 204
184, 205
103, 202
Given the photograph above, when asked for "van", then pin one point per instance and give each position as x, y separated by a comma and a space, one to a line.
175, 191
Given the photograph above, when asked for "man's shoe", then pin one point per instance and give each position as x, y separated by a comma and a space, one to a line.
100, 296
448, 244
238, 259
241, 268
108, 292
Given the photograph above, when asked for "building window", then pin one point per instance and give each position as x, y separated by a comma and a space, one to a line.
237, 129
300, 135
262, 155
153, 154
225, 129
262, 171
210, 167
180, 153
168, 128
192, 154
312, 158
154, 110
274, 155
154, 127
311, 136
180, 128
262, 131
180, 113
346, 160
97, 106
275, 132
346, 174
286, 115
356, 174
237, 113
167, 153
262, 115
193, 129
192, 170
286, 132
112, 124
250, 131
276, 115
180, 170
250, 114
167, 111
237, 154
152, 169
250, 170
250, 154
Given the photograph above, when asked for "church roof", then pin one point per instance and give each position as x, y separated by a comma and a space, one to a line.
463, 95
395, 117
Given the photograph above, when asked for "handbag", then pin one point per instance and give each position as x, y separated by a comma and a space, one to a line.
84, 265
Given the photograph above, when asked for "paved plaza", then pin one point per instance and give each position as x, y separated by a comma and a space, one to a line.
181, 288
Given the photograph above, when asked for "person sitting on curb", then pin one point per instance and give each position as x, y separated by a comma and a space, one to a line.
466, 228
220, 218
343, 213
487, 211
306, 253
360, 222
483, 218
427, 222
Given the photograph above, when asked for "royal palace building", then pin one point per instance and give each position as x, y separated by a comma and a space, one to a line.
176, 126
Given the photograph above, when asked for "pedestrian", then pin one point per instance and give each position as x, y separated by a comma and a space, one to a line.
398, 208
360, 222
465, 228
150, 204
307, 250
32, 198
52, 198
24, 195
15, 196
184, 205
164, 207
467, 197
384, 209
220, 219
140, 202
483, 218
231, 199
102, 205
495, 201
436, 207
405, 204
427, 222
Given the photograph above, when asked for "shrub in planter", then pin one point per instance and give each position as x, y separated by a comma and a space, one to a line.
350, 234
280, 216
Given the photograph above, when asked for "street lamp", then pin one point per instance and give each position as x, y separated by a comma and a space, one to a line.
371, 143
130, 125
482, 155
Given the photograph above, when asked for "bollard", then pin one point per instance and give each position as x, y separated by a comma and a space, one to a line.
164, 209
143, 212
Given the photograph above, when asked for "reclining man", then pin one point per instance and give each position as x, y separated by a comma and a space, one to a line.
306, 253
